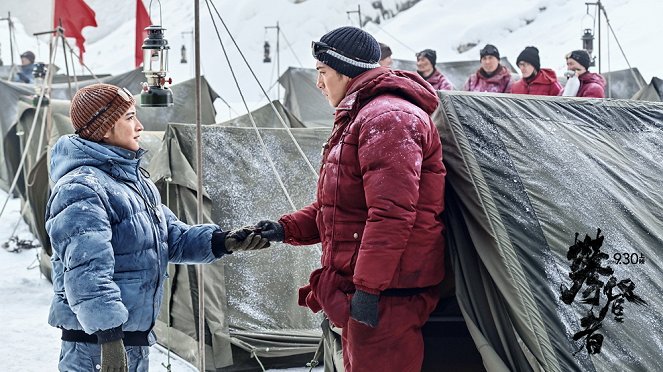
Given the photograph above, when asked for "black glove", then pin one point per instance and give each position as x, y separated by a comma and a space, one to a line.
271, 230
245, 239
113, 357
364, 308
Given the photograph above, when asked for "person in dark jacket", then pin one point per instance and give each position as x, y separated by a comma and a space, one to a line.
378, 207
426, 60
491, 76
24, 74
535, 80
112, 238
591, 85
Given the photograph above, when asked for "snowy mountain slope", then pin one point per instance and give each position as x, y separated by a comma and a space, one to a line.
450, 26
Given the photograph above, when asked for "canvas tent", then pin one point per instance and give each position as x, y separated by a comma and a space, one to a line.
265, 117
11, 93
251, 301
153, 119
303, 98
651, 92
524, 175
623, 83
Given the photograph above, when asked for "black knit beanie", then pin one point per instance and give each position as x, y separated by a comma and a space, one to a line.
489, 50
530, 55
429, 54
350, 51
581, 56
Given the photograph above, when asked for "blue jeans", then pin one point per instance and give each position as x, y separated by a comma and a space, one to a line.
83, 357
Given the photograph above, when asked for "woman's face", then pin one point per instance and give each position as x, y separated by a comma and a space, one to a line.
126, 131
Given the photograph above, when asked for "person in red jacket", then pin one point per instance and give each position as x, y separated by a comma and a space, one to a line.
535, 80
592, 85
426, 68
378, 207
491, 76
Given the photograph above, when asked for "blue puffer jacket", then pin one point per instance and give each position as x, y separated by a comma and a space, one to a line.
112, 239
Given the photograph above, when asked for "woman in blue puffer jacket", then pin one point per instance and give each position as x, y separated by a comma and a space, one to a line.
112, 238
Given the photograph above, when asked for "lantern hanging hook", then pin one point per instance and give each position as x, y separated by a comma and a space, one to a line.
150, 11
591, 18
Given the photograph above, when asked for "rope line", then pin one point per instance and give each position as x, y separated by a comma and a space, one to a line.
261, 88
255, 127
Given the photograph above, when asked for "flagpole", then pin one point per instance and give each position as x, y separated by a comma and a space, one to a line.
199, 191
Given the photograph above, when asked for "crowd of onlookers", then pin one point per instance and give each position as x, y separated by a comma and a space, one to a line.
493, 77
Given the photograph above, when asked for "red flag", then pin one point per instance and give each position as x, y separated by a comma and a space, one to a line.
75, 15
142, 21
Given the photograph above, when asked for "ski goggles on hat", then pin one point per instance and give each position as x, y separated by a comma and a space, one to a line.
123, 93
318, 48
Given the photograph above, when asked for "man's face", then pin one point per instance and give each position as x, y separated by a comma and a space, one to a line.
526, 69
489, 63
126, 131
424, 66
332, 84
385, 62
573, 65
25, 61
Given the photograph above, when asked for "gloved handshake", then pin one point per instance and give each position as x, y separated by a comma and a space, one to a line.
245, 238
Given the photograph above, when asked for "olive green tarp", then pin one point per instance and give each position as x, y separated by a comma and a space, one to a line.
623, 83
524, 175
251, 298
265, 117
153, 119
11, 93
303, 98
651, 92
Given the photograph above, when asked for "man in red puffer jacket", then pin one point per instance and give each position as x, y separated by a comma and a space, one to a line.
535, 80
378, 207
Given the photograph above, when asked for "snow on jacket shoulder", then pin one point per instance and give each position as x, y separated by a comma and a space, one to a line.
381, 186
592, 85
112, 239
544, 84
500, 82
439, 81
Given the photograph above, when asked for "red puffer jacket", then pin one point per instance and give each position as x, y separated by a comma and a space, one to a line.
498, 83
439, 81
592, 85
544, 84
380, 195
